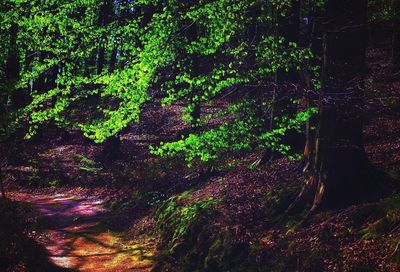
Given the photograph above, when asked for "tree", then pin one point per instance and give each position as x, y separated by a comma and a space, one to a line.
106, 56
191, 50
10, 74
341, 173
247, 56
154, 51
396, 35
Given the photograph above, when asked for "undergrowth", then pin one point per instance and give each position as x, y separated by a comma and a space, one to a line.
192, 239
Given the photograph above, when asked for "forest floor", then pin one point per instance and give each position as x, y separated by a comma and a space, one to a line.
86, 213
76, 239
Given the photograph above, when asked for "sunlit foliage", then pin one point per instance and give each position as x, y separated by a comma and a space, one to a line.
93, 64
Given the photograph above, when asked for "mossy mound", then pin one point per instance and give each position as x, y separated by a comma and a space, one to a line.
193, 239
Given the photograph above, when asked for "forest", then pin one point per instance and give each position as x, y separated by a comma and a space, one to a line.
208, 135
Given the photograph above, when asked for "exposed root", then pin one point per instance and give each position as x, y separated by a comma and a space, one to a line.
305, 195
319, 195
396, 248
265, 158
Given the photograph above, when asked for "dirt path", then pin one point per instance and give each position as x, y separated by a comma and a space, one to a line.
75, 238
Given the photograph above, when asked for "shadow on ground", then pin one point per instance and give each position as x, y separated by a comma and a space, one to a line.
76, 239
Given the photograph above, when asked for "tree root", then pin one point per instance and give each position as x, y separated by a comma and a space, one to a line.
305, 195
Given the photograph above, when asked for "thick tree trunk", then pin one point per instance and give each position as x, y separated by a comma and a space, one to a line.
396, 36
396, 45
341, 173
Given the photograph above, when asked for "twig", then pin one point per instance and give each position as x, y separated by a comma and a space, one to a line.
396, 248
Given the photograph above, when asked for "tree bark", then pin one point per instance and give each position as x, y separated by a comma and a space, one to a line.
313, 39
12, 70
105, 17
341, 173
396, 45
3, 192
192, 35
396, 36
111, 149
113, 59
12, 62
289, 28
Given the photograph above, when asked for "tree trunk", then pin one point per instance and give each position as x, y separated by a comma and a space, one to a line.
396, 46
113, 59
111, 149
12, 62
2, 190
12, 69
191, 32
288, 28
396, 36
195, 115
105, 17
341, 173
313, 39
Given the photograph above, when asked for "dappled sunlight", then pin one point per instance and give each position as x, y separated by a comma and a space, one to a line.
80, 242
105, 251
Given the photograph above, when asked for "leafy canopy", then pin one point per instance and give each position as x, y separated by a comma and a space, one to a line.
99, 62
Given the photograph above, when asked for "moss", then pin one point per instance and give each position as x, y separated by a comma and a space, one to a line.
392, 203
53, 183
179, 222
276, 201
87, 164
191, 241
391, 217
366, 212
